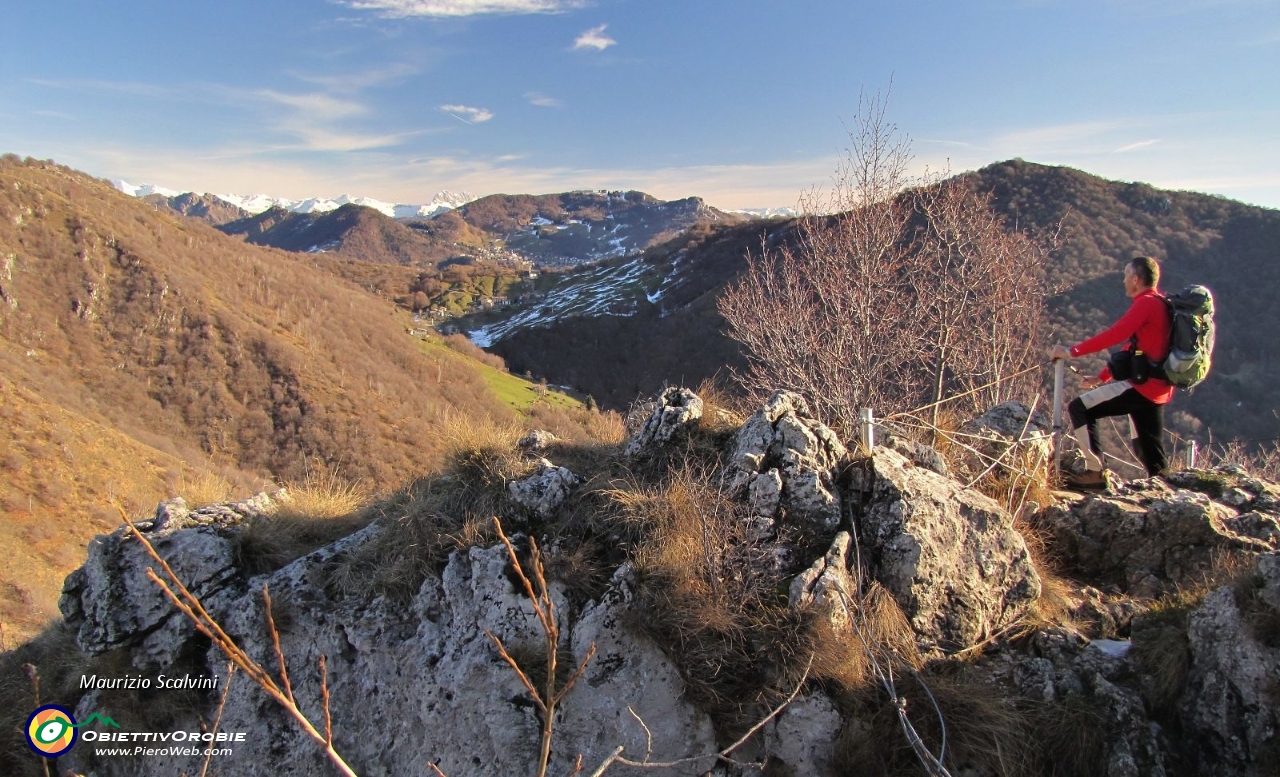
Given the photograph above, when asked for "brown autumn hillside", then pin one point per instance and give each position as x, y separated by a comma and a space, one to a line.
141, 351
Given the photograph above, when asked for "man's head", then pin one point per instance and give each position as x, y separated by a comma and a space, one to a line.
1140, 274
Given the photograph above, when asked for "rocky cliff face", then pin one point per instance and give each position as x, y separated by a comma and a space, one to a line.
415, 681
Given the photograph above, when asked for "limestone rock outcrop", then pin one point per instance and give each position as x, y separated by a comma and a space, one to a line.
420, 682
543, 491
112, 604
1230, 701
949, 555
788, 462
671, 416
1151, 537
414, 678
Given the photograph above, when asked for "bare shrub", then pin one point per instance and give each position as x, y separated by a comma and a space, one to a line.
912, 291
1258, 460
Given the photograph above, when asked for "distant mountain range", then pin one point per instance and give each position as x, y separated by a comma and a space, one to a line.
258, 203
443, 201
527, 230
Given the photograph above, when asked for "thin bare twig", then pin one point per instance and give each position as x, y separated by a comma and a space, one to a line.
217, 720
191, 606
723, 755
275, 643
648, 735
324, 697
545, 609
33, 675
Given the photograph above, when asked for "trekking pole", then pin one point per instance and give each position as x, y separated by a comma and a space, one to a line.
1059, 374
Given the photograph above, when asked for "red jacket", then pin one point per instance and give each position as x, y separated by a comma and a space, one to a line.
1148, 318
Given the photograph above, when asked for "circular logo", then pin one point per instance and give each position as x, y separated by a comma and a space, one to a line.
50, 731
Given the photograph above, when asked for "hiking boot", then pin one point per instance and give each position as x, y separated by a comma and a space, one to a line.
1090, 480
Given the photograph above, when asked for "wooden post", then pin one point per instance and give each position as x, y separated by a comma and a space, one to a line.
1191, 455
867, 429
1059, 374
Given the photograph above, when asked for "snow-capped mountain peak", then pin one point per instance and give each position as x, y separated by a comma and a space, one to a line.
145, 190
258, 203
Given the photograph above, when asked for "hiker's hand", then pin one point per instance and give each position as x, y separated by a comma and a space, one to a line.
1059, 352
1087, 383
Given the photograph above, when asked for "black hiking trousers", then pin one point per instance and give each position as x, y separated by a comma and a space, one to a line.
1146, 420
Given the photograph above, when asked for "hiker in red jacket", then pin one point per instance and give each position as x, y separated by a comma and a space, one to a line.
1146, 327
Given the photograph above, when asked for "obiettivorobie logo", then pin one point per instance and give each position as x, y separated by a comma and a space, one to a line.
52, 730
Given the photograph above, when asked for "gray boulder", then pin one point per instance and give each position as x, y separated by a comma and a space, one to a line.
537, 441
675, 410
1063, 668
787, 463
111, 603
949, 555
1150, 538
545, 490
1009, 433
1232, 696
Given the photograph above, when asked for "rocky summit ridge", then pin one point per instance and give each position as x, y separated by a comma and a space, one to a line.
887, 573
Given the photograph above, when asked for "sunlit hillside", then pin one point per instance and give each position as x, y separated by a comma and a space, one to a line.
146, 354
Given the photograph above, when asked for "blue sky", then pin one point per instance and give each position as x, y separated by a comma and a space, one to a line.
743, 103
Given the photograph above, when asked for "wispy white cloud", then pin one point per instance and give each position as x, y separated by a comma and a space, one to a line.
314, 106
543, 101
1136, 146
468, 114
403, 9
1037, 138
347, 83
594, 38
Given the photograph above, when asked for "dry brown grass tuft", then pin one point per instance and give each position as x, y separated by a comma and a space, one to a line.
436, 514
204, 488
1259, 460
315, 512
844, 654
709, 597
985, 732
1056, 602
721, 410
579, 424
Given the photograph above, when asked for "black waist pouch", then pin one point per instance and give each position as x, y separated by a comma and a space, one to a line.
1130, 366
1120, 365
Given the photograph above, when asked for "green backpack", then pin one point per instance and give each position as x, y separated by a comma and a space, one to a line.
1191, 334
